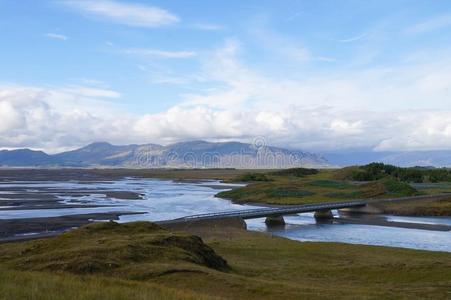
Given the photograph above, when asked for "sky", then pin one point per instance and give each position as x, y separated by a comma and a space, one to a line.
321, 76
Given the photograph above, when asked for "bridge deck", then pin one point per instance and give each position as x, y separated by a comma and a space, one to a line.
294, 209
266, 212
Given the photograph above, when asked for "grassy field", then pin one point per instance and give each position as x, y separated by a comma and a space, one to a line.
53, 286
320, 187
141, 261
418, 208
281, 188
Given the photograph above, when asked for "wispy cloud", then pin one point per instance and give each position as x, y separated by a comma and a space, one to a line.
435, 23
56, 36
353, 39
159, 53
91, 92
208, 26
131, 14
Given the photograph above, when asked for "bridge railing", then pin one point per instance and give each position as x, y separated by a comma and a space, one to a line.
271, 211
274, 211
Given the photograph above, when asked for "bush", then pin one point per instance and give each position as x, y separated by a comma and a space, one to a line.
398, 188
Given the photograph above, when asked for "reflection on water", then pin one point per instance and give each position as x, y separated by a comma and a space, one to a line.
165, 199
304, 228
162, 199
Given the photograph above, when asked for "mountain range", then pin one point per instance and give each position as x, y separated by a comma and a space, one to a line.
193, 154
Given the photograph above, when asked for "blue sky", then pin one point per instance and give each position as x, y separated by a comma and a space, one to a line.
317, 75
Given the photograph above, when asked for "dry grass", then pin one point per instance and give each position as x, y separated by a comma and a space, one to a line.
261, 267
51, 286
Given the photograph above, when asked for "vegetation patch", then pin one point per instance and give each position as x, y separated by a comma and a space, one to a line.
333, 184
398, 188
440, 207
387, 187
262, 267
377, 171
296, 172
251, 177
112, 248
288, 192
345, 195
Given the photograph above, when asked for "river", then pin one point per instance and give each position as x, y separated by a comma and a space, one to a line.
167, 199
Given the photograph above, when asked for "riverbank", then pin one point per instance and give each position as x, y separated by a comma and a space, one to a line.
423, 208
260, 267
283, 189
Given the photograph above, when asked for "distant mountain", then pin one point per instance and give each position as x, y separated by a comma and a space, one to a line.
24, 157
193, 154
439, 158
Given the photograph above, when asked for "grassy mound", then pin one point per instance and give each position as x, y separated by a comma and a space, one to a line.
387, 187
345, 173
133, 250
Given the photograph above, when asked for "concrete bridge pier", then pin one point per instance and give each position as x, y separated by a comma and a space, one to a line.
323, 214
275, 221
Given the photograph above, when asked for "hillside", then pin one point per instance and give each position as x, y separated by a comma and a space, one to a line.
141, 261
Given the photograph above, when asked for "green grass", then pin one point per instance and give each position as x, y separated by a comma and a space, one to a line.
296, 172
250, 177
333, 184
51, 286
260, 267
288, 192
132, 250
398, 188
318, 187
440, 207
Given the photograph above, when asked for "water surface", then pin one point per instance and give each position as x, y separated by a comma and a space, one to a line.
167, 199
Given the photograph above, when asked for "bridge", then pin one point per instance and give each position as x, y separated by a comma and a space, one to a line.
274, 215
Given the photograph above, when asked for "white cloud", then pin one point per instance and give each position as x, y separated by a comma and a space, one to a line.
131, 14
354, 38
56, 36
432, 24
354, 109
57, 119
11, 118
145, 52
208, 26
91, 92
